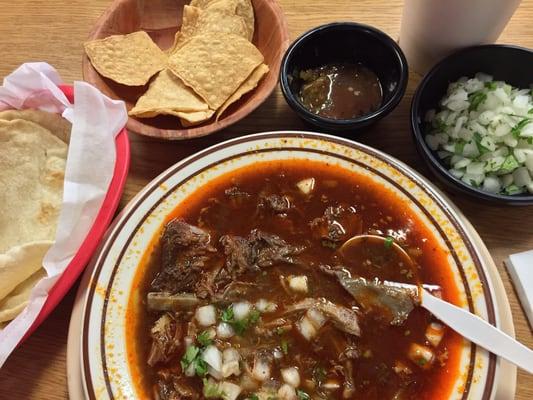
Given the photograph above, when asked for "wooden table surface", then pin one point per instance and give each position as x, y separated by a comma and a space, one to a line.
53, 31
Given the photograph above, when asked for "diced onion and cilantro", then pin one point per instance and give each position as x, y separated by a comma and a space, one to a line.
483, 132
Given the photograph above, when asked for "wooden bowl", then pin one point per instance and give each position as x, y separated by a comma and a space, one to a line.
161, 19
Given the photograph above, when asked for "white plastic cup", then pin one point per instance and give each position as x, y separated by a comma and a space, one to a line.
432, 29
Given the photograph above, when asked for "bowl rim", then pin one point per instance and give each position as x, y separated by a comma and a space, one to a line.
444, 203
186, 133
428, 155
383, 110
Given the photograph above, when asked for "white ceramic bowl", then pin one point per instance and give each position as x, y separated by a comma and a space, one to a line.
104, 363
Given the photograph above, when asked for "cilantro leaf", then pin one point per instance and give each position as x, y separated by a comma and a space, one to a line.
519, 126
476, 99
302, 395
389, 240
204, 338
211, 390
490, 85
190, 355
284, 346
227, 315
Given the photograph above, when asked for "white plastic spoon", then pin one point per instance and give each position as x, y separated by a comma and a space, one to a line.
478, 331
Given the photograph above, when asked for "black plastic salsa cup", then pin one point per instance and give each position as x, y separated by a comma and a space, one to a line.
345, 42
511, 64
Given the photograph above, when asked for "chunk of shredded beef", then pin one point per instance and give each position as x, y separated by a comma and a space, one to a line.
275, 203
185, 250
171, 387
338, 224
257, 251
166, 336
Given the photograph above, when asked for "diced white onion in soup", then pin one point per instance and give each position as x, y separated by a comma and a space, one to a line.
434, 333
187, 341
214, 373
230, 391
291, 376
190, 371
400, 368
241, 310
225, 330
265, 306
306, 328
298, 283
230, 354
262, 369
330, 385
206, 315
306, 186
287, 392
231, 368
213, 357
422, 356
278, 354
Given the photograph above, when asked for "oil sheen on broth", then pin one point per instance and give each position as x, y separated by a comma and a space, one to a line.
239, 295
340, 91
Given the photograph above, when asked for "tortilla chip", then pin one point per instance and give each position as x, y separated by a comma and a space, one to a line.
13, 304
32, 170
213, 19
127, 59
55, 123
242, 8
167, 92
194, 118
214, 65
248, 85
20, 263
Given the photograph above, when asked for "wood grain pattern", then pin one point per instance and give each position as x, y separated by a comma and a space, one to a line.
161, 19
53, 31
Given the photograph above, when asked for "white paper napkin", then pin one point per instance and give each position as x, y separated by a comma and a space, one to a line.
96, 120
520, 267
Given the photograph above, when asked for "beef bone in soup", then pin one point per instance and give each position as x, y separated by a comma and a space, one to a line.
244, 294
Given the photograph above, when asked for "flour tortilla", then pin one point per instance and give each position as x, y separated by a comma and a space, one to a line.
32, 170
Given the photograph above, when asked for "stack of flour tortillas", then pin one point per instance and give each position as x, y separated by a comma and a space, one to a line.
33, 154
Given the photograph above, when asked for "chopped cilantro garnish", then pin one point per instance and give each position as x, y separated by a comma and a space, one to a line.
190, 355
239, 326
439, 125
512, 189
284, 346
204, 338
519, 126
509, 165
253, 396
302, 395
459, 146
490, 85
211, 390
200, 367
227, 315
476, 99
530, 111
389, 240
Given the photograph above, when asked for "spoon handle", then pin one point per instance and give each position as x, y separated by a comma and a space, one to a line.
479, 331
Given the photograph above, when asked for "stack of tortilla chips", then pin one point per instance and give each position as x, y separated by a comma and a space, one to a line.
211, 64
